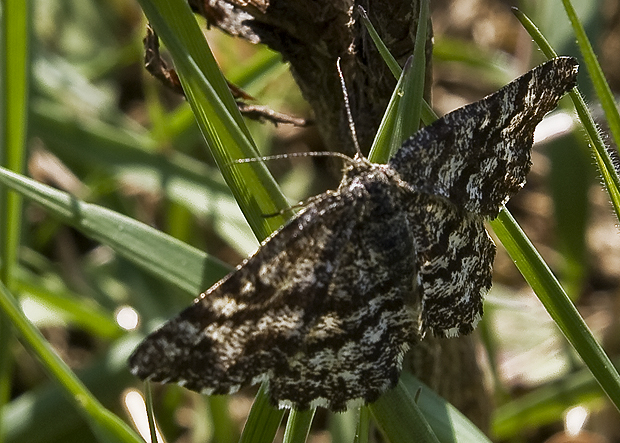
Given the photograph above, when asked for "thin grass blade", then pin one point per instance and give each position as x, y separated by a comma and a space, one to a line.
599, 150
263, 421
556, 302
169, 259
217, 115
108, 427
15, 28
298, 426
428, 115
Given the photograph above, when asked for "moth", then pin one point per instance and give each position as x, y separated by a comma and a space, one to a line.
326, 308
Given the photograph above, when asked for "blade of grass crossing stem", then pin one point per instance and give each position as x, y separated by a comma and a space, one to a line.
447, 422
387, 56
222, 126
428, 115
176, 26
15, 28
400, 419
298, 426
603, 159
402, 116
107, 426
603, 91
249, 185
385, 137
556, 302
263, 420
217, 115
410, 108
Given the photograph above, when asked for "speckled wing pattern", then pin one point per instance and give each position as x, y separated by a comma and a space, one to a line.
320, 311
455, 258
478, 156
326, 308
468, 163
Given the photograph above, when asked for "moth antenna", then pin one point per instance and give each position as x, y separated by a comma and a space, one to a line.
348, 108
339, 155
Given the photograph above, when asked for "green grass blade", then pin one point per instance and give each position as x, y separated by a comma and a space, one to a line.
219, 119
447, 422
107, 426
601, 86
363, 426
148, 399
167, 258
556, 302
399, 417
387, 56
388, 136
263, 421
217, 115
602, 157
412, 108
46, 414
413, 412
428, 115
298, 426
402, 117
15, 24
344, 427
603, 91
15, 75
